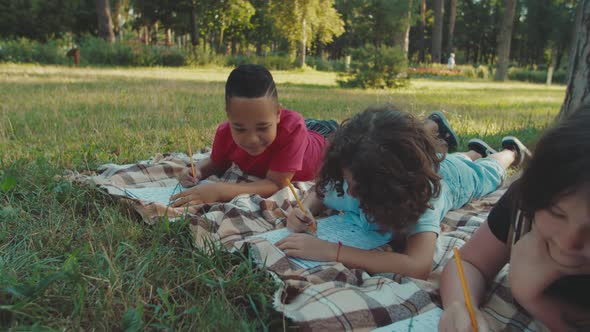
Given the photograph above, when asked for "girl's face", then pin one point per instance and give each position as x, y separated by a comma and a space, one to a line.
566, 228
253, 122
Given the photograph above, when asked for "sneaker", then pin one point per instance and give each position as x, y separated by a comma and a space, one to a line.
514, 144
444, 130
480, 147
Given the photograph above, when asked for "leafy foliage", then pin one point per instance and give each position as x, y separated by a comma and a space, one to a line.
377, 67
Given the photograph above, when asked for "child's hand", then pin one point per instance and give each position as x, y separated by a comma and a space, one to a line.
299, 221
308, 247
187, 179
456, 318
204, 193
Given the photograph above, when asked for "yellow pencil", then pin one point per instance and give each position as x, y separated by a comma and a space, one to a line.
465, 289
312, 226
190, 156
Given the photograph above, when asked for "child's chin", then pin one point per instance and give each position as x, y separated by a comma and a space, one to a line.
255, 153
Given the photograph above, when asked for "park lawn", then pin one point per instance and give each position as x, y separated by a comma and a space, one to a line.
72, 258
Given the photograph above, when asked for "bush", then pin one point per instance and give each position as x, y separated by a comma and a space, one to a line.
173, 58
536, 76
325, 64
199, 57
271, 62
441, 71
96, 51
29, 51
475, 71
372, 67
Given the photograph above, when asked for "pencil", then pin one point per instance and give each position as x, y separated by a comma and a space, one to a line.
190, 156
312, 226
465, 289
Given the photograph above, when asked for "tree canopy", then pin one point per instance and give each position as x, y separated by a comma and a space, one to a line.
326, 28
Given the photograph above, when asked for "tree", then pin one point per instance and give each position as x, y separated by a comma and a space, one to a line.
402, 35
578, 87
452, 18
233, 16
437, 32
421, 27
194, 24
298, 21
262, 33
504, 39
105, 22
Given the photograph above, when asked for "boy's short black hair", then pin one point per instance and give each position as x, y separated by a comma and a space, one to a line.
250, 81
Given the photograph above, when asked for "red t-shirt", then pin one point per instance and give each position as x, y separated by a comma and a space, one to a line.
295, 149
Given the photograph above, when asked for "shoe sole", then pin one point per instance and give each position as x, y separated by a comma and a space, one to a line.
481, 147
454, 138
510, 141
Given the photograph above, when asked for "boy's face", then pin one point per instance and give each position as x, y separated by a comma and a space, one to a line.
253, 122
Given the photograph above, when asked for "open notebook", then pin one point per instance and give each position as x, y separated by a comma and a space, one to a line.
159, 195
333, 229
424, 322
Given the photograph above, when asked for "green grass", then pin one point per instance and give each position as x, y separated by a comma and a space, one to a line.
72, 258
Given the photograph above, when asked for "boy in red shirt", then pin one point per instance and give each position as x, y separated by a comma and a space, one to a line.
261, 138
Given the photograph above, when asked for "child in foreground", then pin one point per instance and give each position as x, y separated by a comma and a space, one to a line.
261, 138
541, 226
383, 172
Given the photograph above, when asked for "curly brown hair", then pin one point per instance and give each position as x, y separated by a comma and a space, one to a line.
393, 162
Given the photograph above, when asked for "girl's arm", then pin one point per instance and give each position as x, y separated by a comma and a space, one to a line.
483, 256
416, 262
298, 220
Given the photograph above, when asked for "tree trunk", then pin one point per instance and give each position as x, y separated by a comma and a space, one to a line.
558, 57
303, 43
168, 37
220, 44
437, 31
402, 38
504, 39
578, 87
105, 22
421, 26
194, 25
117, 20
452, 19
154, 32
146, 34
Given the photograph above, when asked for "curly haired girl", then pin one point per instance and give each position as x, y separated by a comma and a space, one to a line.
383, 172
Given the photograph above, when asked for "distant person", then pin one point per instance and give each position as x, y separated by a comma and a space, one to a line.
451, 62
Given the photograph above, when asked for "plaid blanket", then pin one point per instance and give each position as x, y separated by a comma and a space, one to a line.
330, 296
